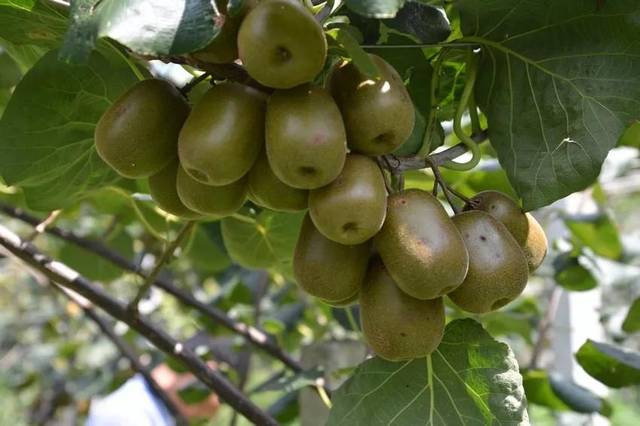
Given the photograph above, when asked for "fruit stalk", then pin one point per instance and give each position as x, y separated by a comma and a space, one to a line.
472, 73
167, 254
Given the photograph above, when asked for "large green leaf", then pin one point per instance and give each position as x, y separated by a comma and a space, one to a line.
631, 136
94, 267
205, 254
25, 55
10, 72
470, 379
36, 22
266, 240
631, 322
558, 393
598, 232
46, 132
559, 81
571, 273
148, 27
615, 367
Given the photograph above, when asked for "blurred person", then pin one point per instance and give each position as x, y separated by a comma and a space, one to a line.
134, 404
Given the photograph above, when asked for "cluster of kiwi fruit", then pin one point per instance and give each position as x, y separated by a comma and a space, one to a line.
296, 146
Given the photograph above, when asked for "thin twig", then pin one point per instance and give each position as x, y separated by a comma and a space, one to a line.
194, 82
71, 279
545, 325
445, 188
124, 349
385, 178
438, 158
458, 194
42, 226
167, 254
253, 335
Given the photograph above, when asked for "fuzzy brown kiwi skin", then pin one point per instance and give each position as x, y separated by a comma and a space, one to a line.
498, 271
420, 246
397, 326
523, 226
328, 270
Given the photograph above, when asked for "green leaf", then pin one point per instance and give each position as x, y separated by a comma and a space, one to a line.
5, 95
24, 55
598, 232
572, 275
205, 253
345, 39
490, 178
286, 409
539, 391
10, 72
423, 22
194, 392
95, 267
558, 81
376, 8
47, 130
148, 27
614, 366
631, 136
469, 378
35, 22
294, 382
264, 241
578, 398
506, 323
559, 394
631, 323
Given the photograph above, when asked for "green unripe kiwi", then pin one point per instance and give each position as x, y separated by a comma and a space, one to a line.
523, 226
498, 270
137, 136
266, 190
224, 47
397, 326
162, 187
223, 135
420, 246
211, 200
378, 114
352, 208
325, 269
281, 44
305, 138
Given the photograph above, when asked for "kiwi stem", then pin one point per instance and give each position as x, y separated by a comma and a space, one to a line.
385, 177
42, 226
445, 188
431, 119
167, 254
352, 321
324, 396
243, 218
472, 72
545, 325
458, 194
473, 115
194, 82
